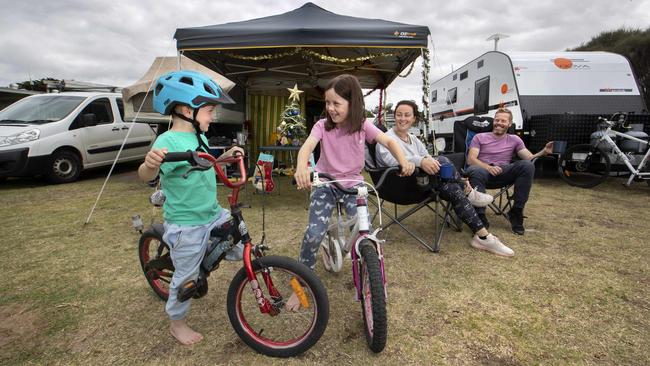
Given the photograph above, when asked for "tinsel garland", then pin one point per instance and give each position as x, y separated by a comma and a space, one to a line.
300, 50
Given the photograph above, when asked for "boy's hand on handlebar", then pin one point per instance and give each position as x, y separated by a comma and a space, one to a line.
236, 150
154, 158
407, 169
303, 177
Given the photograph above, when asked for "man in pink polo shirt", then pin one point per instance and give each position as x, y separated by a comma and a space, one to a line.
490, 163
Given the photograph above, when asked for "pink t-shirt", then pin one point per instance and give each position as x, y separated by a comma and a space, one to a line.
496, 150
342, 154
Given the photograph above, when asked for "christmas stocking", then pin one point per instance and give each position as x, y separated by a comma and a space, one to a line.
263, 180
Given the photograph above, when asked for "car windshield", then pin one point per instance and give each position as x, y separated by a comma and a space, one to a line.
40, 109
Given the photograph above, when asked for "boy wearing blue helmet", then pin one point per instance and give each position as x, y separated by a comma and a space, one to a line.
191, 209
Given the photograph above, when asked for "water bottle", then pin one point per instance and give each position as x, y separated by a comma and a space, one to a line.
216, 249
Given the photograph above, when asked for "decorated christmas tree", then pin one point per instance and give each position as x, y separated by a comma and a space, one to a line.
292, 127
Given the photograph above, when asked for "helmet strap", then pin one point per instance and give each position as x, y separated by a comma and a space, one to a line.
202, 146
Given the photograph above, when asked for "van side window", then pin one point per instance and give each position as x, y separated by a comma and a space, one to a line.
482, 96
451, 96
120, 107
434, 96
101, 108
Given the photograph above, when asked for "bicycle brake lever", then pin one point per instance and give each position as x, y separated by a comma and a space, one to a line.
198, 167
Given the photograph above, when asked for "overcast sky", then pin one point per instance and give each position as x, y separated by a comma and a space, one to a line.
114, 42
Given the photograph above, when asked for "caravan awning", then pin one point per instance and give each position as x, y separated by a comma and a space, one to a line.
308, 45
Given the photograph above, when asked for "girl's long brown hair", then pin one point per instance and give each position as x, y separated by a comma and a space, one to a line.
349, 88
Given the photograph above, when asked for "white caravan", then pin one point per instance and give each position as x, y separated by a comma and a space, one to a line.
534, 83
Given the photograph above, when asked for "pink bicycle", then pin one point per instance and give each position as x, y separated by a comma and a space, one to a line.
354, 236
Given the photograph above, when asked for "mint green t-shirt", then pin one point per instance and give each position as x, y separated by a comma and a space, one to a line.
191, 201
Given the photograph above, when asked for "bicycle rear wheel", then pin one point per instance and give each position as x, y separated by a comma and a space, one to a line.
156, 262
373, 297
282, 333
584, 166
332, 255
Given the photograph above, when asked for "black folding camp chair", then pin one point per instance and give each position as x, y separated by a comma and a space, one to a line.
406, 191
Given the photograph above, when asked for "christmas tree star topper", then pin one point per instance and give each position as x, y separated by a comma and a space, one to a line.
295, 93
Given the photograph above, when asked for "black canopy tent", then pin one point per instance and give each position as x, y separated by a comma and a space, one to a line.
308, 46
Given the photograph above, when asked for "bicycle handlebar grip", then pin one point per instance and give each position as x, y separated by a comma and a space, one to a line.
177, 156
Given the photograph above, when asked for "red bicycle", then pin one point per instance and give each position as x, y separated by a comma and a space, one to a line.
258, 315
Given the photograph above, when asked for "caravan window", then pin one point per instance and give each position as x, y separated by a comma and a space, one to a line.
454, 77
479, 64
463, 75
482, 96
434, 96
451, 96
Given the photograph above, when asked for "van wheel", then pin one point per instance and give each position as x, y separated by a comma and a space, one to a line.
65, 167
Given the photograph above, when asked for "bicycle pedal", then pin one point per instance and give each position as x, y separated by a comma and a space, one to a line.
201, 288
187, 291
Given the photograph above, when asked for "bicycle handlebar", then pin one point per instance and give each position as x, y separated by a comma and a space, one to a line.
616, 119
354, 190
203, 161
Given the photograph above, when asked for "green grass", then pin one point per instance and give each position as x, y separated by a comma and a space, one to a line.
577, 291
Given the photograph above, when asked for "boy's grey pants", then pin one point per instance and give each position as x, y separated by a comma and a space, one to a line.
188, 244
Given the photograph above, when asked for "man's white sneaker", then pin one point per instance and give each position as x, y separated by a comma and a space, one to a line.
479, 199
493, 245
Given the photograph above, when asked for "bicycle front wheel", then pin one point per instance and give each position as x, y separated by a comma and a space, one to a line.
281, 333
373, 297
584, 166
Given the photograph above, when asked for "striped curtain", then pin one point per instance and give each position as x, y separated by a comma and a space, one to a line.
265, 114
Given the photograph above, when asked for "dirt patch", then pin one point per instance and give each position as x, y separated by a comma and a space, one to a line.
19, 324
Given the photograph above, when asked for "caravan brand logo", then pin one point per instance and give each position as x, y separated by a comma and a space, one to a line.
563, 63
573, 64
399, 34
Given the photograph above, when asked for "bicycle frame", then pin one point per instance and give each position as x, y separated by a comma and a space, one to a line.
635, 172
361, 231
249, 249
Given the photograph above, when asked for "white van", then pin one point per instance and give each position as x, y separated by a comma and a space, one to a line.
59, 135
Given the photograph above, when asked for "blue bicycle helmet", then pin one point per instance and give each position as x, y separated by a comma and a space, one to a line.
186, 87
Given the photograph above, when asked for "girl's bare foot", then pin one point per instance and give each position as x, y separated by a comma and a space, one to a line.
184, 333
293, 304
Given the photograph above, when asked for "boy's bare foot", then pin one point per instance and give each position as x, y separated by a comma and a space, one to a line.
183, 333
293, 304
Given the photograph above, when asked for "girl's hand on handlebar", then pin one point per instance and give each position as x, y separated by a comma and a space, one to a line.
302, 176
154, 158
407, 169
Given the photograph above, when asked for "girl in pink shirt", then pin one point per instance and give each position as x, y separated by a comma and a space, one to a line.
342, 136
